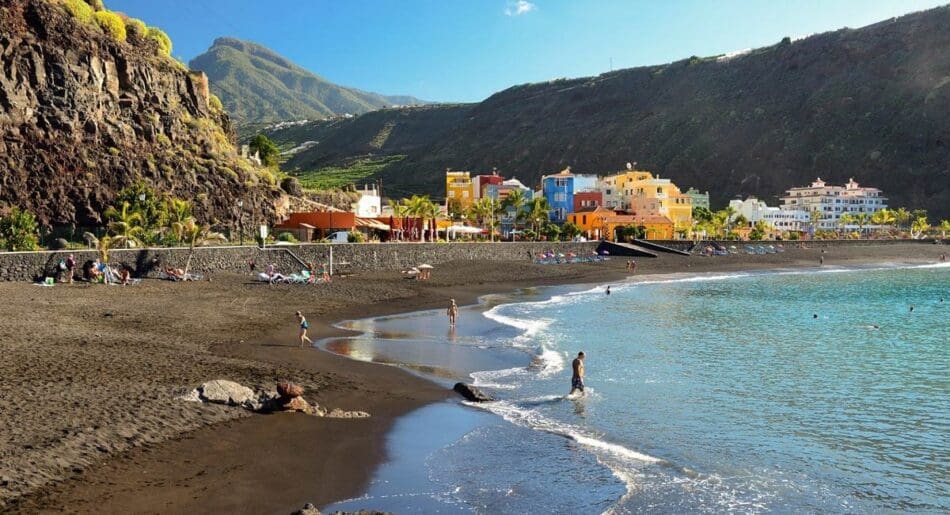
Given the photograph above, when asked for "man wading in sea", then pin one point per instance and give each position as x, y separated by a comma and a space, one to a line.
303, 329
577, 380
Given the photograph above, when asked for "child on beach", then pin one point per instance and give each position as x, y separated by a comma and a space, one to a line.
303, 329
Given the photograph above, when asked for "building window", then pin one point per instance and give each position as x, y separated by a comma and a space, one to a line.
451, 193
560, 197
464, 194
584, 218
560, 183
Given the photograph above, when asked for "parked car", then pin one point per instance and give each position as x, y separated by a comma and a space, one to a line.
338, 237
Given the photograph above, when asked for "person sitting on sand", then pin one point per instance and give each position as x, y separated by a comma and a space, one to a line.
176, 274
452, 312
125, 275
577, 379
70, 268
303, 329
326, 273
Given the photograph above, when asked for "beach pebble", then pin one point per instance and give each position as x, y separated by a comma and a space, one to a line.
338, 413
222, 391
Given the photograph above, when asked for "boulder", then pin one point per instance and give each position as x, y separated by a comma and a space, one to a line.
338, 413
59, 244
289, 390
472, 393
222, 391
298, 404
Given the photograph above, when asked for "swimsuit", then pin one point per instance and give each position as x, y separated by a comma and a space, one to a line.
304, 325
577, 383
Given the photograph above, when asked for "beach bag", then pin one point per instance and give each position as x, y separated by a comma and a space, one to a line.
62, 265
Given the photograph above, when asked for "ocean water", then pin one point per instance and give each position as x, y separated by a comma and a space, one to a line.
706, 394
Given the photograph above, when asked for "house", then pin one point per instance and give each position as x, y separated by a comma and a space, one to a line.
603, 223
558, 190
483, 181
781, 219
833, 201
369, 204
459, 188
585, 199
640, 193
699, 199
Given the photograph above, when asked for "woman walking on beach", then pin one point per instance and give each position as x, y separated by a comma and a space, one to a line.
452, 312
303, 329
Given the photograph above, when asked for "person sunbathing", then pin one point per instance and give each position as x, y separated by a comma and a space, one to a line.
176, 274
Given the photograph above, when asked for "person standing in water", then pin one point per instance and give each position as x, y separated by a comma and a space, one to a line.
452, 312
303, 329
577, 380
608, 290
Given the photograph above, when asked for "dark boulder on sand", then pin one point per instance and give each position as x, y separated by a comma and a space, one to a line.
472, 393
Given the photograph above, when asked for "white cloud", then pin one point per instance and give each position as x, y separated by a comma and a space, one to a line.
519, 7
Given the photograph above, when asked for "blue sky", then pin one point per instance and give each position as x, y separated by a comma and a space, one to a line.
465, 50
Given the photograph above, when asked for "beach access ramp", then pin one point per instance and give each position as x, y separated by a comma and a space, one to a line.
660, 248
624, 249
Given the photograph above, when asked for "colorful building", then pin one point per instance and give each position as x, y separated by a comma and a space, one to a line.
699, 199
586, 199
640, 193
558, 189
834, 201
603, 223
459, 188
483, 181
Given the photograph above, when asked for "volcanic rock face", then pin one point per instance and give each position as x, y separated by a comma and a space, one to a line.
83, 115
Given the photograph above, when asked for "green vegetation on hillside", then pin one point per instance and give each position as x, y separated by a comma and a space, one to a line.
340, 176
258, 85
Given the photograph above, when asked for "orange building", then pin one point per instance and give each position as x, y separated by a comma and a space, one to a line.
603, 223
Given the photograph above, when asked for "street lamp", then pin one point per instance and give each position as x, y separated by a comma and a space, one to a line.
241, 220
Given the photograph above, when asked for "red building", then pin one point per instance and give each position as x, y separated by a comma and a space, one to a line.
482, 182
587, 199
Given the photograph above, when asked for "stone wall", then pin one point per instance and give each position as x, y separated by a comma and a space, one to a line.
28, 266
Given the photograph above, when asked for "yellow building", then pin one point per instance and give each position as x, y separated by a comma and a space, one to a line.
459, 188
602, 223
640, 193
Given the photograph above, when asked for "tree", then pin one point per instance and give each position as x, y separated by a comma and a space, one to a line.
631, 232
902, 217
514, 203
883, 218
18, 230
815, 216
570, 231
919, 227
267, 150
153, 206
539, 212
944, 228
552, 232
845, 220
125, 225
195, 234
482, 212
759, 230
702, 214
420, 206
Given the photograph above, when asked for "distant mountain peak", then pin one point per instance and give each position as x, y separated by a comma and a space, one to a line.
256, 84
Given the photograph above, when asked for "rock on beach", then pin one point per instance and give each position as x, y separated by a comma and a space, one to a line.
472, 393
222, 391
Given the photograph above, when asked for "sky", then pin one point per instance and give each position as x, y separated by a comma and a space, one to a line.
465, 50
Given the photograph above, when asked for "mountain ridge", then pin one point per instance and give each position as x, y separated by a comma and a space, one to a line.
870, 103
256, 84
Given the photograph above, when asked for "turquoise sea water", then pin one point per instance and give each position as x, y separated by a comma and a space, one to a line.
715, 393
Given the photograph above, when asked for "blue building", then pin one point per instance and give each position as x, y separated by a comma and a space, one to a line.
558, 190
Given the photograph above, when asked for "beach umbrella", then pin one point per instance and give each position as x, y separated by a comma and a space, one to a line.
425, 266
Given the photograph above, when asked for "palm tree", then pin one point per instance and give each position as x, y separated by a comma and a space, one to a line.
944, 227
421, 207
919, 227
539, 213
815, 216
482, 211
845, 220
103, 246
179, 211
196, 234
514, 203
902, 217
883, 218
126, 225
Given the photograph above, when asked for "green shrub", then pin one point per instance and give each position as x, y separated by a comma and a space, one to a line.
18, 230
136, 28
159, 36
80, 10
112, 24
215, 103
355, 237
287, 236
163, 140
114, 151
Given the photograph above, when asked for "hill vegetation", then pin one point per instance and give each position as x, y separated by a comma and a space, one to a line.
870, 103
258, 85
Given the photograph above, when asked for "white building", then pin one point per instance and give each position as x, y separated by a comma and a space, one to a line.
834, 201
783, 219
369, 205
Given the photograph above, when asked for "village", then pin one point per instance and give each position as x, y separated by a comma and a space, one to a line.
620, 206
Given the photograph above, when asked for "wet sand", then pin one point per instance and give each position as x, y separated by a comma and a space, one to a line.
89, 421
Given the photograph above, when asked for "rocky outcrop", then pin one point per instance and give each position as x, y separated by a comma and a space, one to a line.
288, 397
472, 393
310, 509
83, 115
222, 391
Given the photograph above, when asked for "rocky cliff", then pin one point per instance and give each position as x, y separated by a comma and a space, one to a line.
83, 115
870, 103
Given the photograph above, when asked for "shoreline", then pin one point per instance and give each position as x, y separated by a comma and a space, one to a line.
216, 459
